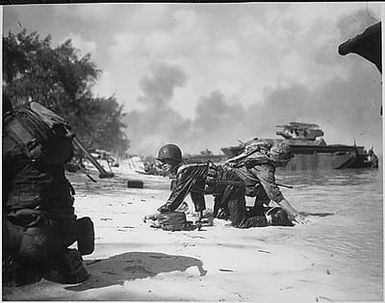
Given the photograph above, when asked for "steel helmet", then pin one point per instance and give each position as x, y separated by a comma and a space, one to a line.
280, 152
170, 152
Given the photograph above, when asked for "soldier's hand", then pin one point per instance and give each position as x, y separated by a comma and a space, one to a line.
152, 217
197, 216
300, 219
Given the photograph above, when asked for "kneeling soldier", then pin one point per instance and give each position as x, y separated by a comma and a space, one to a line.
39, 221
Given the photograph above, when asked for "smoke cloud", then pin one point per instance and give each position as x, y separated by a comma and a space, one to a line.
346, 107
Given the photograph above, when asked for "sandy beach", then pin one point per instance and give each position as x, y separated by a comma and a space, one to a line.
134, 262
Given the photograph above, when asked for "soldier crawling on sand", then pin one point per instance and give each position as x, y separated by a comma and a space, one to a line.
251, 173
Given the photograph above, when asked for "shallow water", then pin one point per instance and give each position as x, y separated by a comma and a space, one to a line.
345, 232
346, 213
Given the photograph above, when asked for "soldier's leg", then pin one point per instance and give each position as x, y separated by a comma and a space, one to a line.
198, 197
220, 210
66, 267
239, 215
12, 235
217, 204
240, 218
80, 230
261, 199
237, 210
43, 251
25, 253
36, 243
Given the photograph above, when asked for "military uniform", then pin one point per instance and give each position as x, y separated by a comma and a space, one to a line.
39, 221
256, 170
190, 179
260, 183
193, 179
228, 187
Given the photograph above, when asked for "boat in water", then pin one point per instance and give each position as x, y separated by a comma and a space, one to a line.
310, 151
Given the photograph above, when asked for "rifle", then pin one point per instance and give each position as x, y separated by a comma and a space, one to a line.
237, 183
103, 173
42, 111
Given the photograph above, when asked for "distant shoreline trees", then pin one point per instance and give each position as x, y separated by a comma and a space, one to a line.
60, 79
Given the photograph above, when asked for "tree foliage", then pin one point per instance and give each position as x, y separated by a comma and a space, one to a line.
61, 79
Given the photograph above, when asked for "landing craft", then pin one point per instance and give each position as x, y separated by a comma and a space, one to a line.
310, 150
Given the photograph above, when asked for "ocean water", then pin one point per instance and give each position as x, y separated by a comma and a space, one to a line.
345, 208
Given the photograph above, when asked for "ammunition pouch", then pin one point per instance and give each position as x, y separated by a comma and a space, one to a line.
220, 181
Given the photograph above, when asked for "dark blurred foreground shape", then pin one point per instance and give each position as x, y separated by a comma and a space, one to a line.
39, 223
366, 44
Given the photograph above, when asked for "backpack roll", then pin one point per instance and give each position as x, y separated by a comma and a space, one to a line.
44, 138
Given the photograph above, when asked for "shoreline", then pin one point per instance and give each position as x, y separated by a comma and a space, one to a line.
134, 262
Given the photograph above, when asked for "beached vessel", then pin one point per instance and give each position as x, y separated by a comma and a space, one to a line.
312, 152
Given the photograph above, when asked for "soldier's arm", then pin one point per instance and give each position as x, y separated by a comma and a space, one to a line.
185, 180
266, 176
293, 214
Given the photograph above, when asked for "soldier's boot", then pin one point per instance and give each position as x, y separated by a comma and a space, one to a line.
67, 268
277, 216
85, 236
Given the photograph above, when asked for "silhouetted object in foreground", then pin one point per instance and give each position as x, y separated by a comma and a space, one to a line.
39, 221
367, 45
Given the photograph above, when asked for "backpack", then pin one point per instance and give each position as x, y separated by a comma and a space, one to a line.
173, 221
43, 136
254, 153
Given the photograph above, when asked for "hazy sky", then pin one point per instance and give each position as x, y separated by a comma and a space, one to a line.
208, 75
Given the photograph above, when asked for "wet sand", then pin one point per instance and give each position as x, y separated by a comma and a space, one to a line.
134, 262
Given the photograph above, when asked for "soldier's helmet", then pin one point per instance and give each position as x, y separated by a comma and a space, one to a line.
170, 152
280, 153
